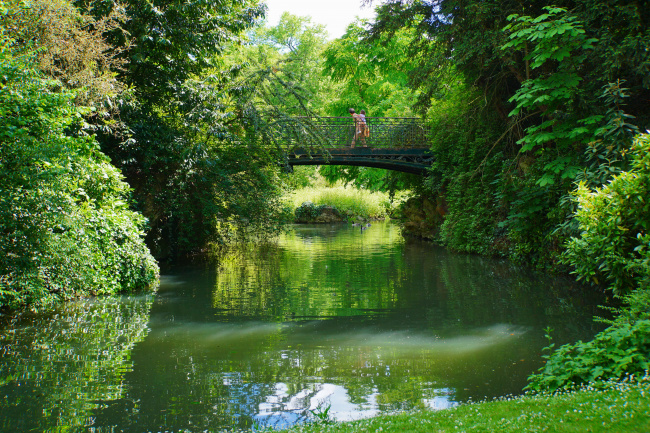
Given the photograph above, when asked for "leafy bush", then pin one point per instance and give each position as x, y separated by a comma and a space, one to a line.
614, 246
612, 249
620, 350
308, 211
66, 229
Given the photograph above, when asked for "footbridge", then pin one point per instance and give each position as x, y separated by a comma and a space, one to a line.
399, 144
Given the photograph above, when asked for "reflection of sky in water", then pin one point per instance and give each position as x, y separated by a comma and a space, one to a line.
282, 410
307, 403
441, 402
365, 354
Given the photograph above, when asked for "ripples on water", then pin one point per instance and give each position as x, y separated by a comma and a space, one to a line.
328, 319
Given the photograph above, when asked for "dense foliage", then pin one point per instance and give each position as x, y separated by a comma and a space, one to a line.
69, 47
189, 140
66, 227
613, 247
534, 110
524, 100
297, 72
178, 121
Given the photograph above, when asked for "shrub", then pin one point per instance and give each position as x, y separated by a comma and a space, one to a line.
612, 249
309, 212
620, 350
614, 245
65, 226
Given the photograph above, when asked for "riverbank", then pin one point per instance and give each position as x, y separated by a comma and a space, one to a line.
619, 407
350, 203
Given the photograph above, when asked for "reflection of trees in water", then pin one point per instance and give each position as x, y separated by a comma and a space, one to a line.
222, 375
408, 326
355, 274
59, 367
308, 276
465, 291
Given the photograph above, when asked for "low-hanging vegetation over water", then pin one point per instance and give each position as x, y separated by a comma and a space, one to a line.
67, 230
147, 136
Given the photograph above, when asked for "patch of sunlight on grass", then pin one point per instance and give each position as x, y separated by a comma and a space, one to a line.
348, 200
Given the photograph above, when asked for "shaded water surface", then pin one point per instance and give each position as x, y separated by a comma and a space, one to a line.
329, 321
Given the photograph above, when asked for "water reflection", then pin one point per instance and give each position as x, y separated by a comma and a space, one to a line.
354, 322
57, 368
328, 320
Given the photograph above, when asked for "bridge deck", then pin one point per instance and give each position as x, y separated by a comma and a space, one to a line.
393, 143
338, 132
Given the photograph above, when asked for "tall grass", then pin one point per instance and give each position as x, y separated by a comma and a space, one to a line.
349, 201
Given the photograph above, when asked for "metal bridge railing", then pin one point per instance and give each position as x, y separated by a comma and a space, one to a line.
332, 132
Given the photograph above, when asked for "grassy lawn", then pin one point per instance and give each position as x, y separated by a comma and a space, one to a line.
620, 407
351, 201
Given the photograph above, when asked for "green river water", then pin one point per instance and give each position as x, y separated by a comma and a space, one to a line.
330, 319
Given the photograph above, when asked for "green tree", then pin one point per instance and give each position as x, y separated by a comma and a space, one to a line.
373, 77
67, 230
166, 42
282, 68
190, 148
294, 48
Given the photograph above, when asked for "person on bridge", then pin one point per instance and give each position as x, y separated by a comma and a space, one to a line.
360, 127
366, 132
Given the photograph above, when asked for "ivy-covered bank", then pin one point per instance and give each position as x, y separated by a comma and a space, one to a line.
525, 102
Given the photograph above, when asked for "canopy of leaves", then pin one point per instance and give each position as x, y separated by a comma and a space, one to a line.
284, 65
69, 47
172, 40
372, 77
